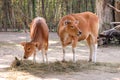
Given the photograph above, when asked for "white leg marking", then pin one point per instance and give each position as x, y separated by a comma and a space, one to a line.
91, 52
63, 54
46, 57
43, 55
73, 50
34, 60
95, 52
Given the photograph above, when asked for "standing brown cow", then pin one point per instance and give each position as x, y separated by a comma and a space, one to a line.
39, 33
76, 27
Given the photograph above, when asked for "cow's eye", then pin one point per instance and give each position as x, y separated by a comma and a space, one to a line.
28, 48
72, 27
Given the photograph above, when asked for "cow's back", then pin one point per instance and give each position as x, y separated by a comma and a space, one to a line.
39, 32
88, 24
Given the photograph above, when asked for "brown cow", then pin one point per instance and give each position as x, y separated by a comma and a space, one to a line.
39, 39
76, 27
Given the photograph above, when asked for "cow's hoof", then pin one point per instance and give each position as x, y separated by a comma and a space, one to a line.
63, 61
90, 60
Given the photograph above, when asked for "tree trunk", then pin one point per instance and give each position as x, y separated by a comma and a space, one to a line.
43, 9
67, 7
117, 14
92, 5
34, 8
104, 13
7, 15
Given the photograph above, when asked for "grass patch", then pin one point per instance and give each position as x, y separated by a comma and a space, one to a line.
63, 67
7, 44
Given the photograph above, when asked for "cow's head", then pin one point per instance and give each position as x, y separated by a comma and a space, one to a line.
72, 28
29, 48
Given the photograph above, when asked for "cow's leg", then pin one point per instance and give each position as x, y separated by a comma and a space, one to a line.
46, 49
65, 42
92, 43
43, 52
63, 49
34, 55
94, 39
90, 47
74, 43
73, 50
63, 54
95, 52
46, 56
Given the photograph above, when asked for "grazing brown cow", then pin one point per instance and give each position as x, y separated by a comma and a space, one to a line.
76, 27
39, 39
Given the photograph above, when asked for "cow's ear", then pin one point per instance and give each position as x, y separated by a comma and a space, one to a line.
23, 43
36, 44
76, 22
66, 22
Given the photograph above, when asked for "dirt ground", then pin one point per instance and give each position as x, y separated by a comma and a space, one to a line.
10, 47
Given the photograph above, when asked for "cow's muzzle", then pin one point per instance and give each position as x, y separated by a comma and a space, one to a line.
25, 57
79, 33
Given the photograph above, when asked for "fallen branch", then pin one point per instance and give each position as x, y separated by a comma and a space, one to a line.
114, 23
117, 10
